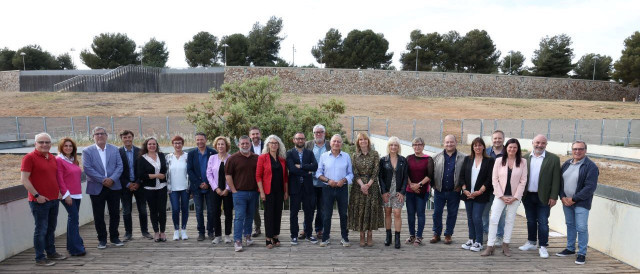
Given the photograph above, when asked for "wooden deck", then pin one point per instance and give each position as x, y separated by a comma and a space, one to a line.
141, 255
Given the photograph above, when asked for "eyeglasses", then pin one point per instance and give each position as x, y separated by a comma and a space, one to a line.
299, 138
318, 132
578, 149
44, 142
417, 145
99, 134
273, 143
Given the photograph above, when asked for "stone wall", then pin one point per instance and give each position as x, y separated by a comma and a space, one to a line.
432, 84
9, 80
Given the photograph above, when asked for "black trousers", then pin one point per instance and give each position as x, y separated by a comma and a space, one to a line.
273, 213
307, 197
141, 204
227, 203
157, 201
112, 199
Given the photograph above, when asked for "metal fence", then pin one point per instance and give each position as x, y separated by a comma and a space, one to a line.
604, 132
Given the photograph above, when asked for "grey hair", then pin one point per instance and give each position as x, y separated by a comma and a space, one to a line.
337, 135
98, 128
319, 126
579, 142
281, 149
244, 137
42, 134
417, 140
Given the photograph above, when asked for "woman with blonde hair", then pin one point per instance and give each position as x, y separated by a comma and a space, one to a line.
272, 178
365, 209
222, 196
393, 183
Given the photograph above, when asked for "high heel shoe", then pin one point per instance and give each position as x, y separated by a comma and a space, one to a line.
488, 251
370, 238
269, 244
387, 241
397, 245
505, 249
362, 243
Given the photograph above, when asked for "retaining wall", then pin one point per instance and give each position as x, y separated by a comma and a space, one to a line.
9, 80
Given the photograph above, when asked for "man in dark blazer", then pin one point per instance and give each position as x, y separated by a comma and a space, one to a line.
256, 146
301, 164
129, 154
318, 146
199, 187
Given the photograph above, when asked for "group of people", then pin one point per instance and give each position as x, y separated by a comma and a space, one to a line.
370, 191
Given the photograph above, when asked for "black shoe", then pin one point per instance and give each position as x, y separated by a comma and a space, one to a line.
79, 254
580, 259
565, 253
397, 245
128, 237
45, 262
387, 241
200, 237
147, 235
302, 236
56, 256
256, 233
117, 242
210, 236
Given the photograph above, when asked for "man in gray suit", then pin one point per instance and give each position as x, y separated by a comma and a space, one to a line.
103, 166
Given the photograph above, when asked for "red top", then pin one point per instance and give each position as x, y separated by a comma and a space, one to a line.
418, 169
43, 174
263, 172
69, 177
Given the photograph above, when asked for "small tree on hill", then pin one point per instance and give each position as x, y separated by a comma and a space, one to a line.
238, 106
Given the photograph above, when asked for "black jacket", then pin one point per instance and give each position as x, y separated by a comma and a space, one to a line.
193, 167
145, 168
484, 178
124, 178
386, 171
301, 177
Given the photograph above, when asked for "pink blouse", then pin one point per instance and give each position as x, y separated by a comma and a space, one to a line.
69, 177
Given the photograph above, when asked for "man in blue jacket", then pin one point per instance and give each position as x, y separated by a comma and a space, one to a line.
199, 187
301, 164
579, 182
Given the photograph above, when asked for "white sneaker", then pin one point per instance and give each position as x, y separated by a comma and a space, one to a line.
184, 234
238, 246
227, 239
176, 235
528, 246
498, 241
248, 241
468, 244
345, 243
216, 240
325, 243
543, 252
476, 247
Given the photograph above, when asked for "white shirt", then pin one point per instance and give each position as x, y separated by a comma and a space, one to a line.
474, 175
256, 149
156, 165
177, 172
103, 158
534, 170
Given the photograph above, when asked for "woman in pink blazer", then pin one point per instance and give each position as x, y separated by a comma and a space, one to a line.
509, 181
69, 176
271, 175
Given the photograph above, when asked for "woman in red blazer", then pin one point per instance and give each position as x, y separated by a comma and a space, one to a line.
271, 175
509, 181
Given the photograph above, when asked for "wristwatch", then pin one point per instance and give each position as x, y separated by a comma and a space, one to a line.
36, 195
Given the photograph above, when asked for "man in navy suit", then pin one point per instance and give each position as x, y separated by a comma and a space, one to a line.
301, 164
103, 166
199, 187
129, 154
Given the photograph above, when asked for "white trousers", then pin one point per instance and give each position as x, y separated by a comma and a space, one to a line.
510, 217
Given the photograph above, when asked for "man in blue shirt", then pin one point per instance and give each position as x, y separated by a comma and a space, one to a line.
199, 187
335, 171
319, 146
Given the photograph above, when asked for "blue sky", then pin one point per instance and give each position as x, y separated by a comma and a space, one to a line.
594, 26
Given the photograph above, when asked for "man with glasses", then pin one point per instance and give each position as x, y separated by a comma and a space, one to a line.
579, 182
319, 146
256, 146
38, 175
103, 167
301, 164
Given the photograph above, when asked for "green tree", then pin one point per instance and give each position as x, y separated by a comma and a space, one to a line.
449, 56
478, 53
282, 63
584, 67
513, 63
264, 42
328, 51
65, 62
202, 50
155, 53
553, 58
236, 52
6, 56
366, 49
627, 68
110, 50
429, 51
256, 102
35, 59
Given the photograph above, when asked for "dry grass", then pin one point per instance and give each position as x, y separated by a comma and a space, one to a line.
10, 170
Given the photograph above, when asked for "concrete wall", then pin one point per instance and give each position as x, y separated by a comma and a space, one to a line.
9, 80
432, 84
16, 228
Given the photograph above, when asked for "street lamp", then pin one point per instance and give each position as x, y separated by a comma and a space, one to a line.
24, 66
293, 63
510, 55
225, 46
73, 56
417, 48
595, 59
140, 47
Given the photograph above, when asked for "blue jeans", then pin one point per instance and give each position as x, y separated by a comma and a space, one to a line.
244, 203
485, 219
46, 219
341, 196
537, 219
416, 205
75, 245
179, 203
452, 200
198, 199
577, 219
474, 219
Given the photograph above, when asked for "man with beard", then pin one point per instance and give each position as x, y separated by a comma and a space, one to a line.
301, 164
256, 147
